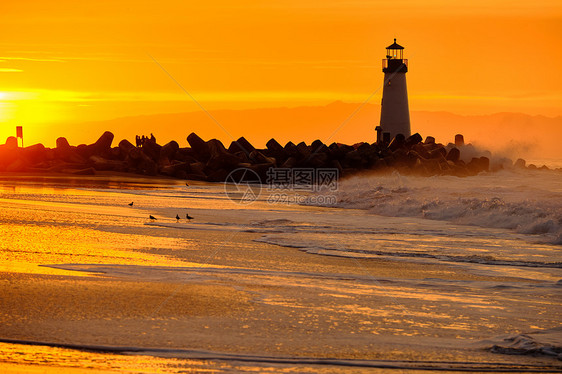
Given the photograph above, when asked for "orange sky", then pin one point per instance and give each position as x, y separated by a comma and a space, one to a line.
69, 61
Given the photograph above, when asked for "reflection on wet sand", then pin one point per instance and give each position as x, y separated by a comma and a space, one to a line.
82, 268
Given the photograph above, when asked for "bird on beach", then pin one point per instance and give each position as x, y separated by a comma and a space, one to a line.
131, 203
177, 218
188, 217
152, 218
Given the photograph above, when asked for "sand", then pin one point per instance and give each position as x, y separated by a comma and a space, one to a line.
215, 295
238, 313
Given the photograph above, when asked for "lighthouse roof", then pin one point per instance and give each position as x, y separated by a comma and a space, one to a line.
395, 45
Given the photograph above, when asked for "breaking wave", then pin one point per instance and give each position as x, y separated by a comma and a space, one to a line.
527, 203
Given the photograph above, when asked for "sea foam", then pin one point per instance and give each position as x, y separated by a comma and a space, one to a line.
527, 203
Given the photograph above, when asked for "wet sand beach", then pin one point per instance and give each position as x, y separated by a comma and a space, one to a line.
197, 316
83, 272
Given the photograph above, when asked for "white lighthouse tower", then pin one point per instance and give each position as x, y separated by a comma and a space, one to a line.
395, 114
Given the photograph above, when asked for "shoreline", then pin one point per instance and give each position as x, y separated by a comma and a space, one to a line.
104, 176
210, 358
122, 179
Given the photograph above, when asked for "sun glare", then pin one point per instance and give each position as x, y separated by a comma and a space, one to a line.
27, 109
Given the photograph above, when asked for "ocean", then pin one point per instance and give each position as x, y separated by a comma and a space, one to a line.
376, 273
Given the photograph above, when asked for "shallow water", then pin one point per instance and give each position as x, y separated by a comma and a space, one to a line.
417, 271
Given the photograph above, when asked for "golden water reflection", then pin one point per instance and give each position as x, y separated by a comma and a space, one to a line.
25, 247
18, 358
44, 233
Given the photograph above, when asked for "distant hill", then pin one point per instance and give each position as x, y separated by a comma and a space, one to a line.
257, 125
514, 134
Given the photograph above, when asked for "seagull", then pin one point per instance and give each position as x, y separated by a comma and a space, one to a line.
177, 218
188, 217
152, 218
131, 204
186, 184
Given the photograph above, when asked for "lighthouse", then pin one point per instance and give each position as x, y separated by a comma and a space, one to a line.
395, 115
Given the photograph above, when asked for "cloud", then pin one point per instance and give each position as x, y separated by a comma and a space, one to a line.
12, 58
232, 96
